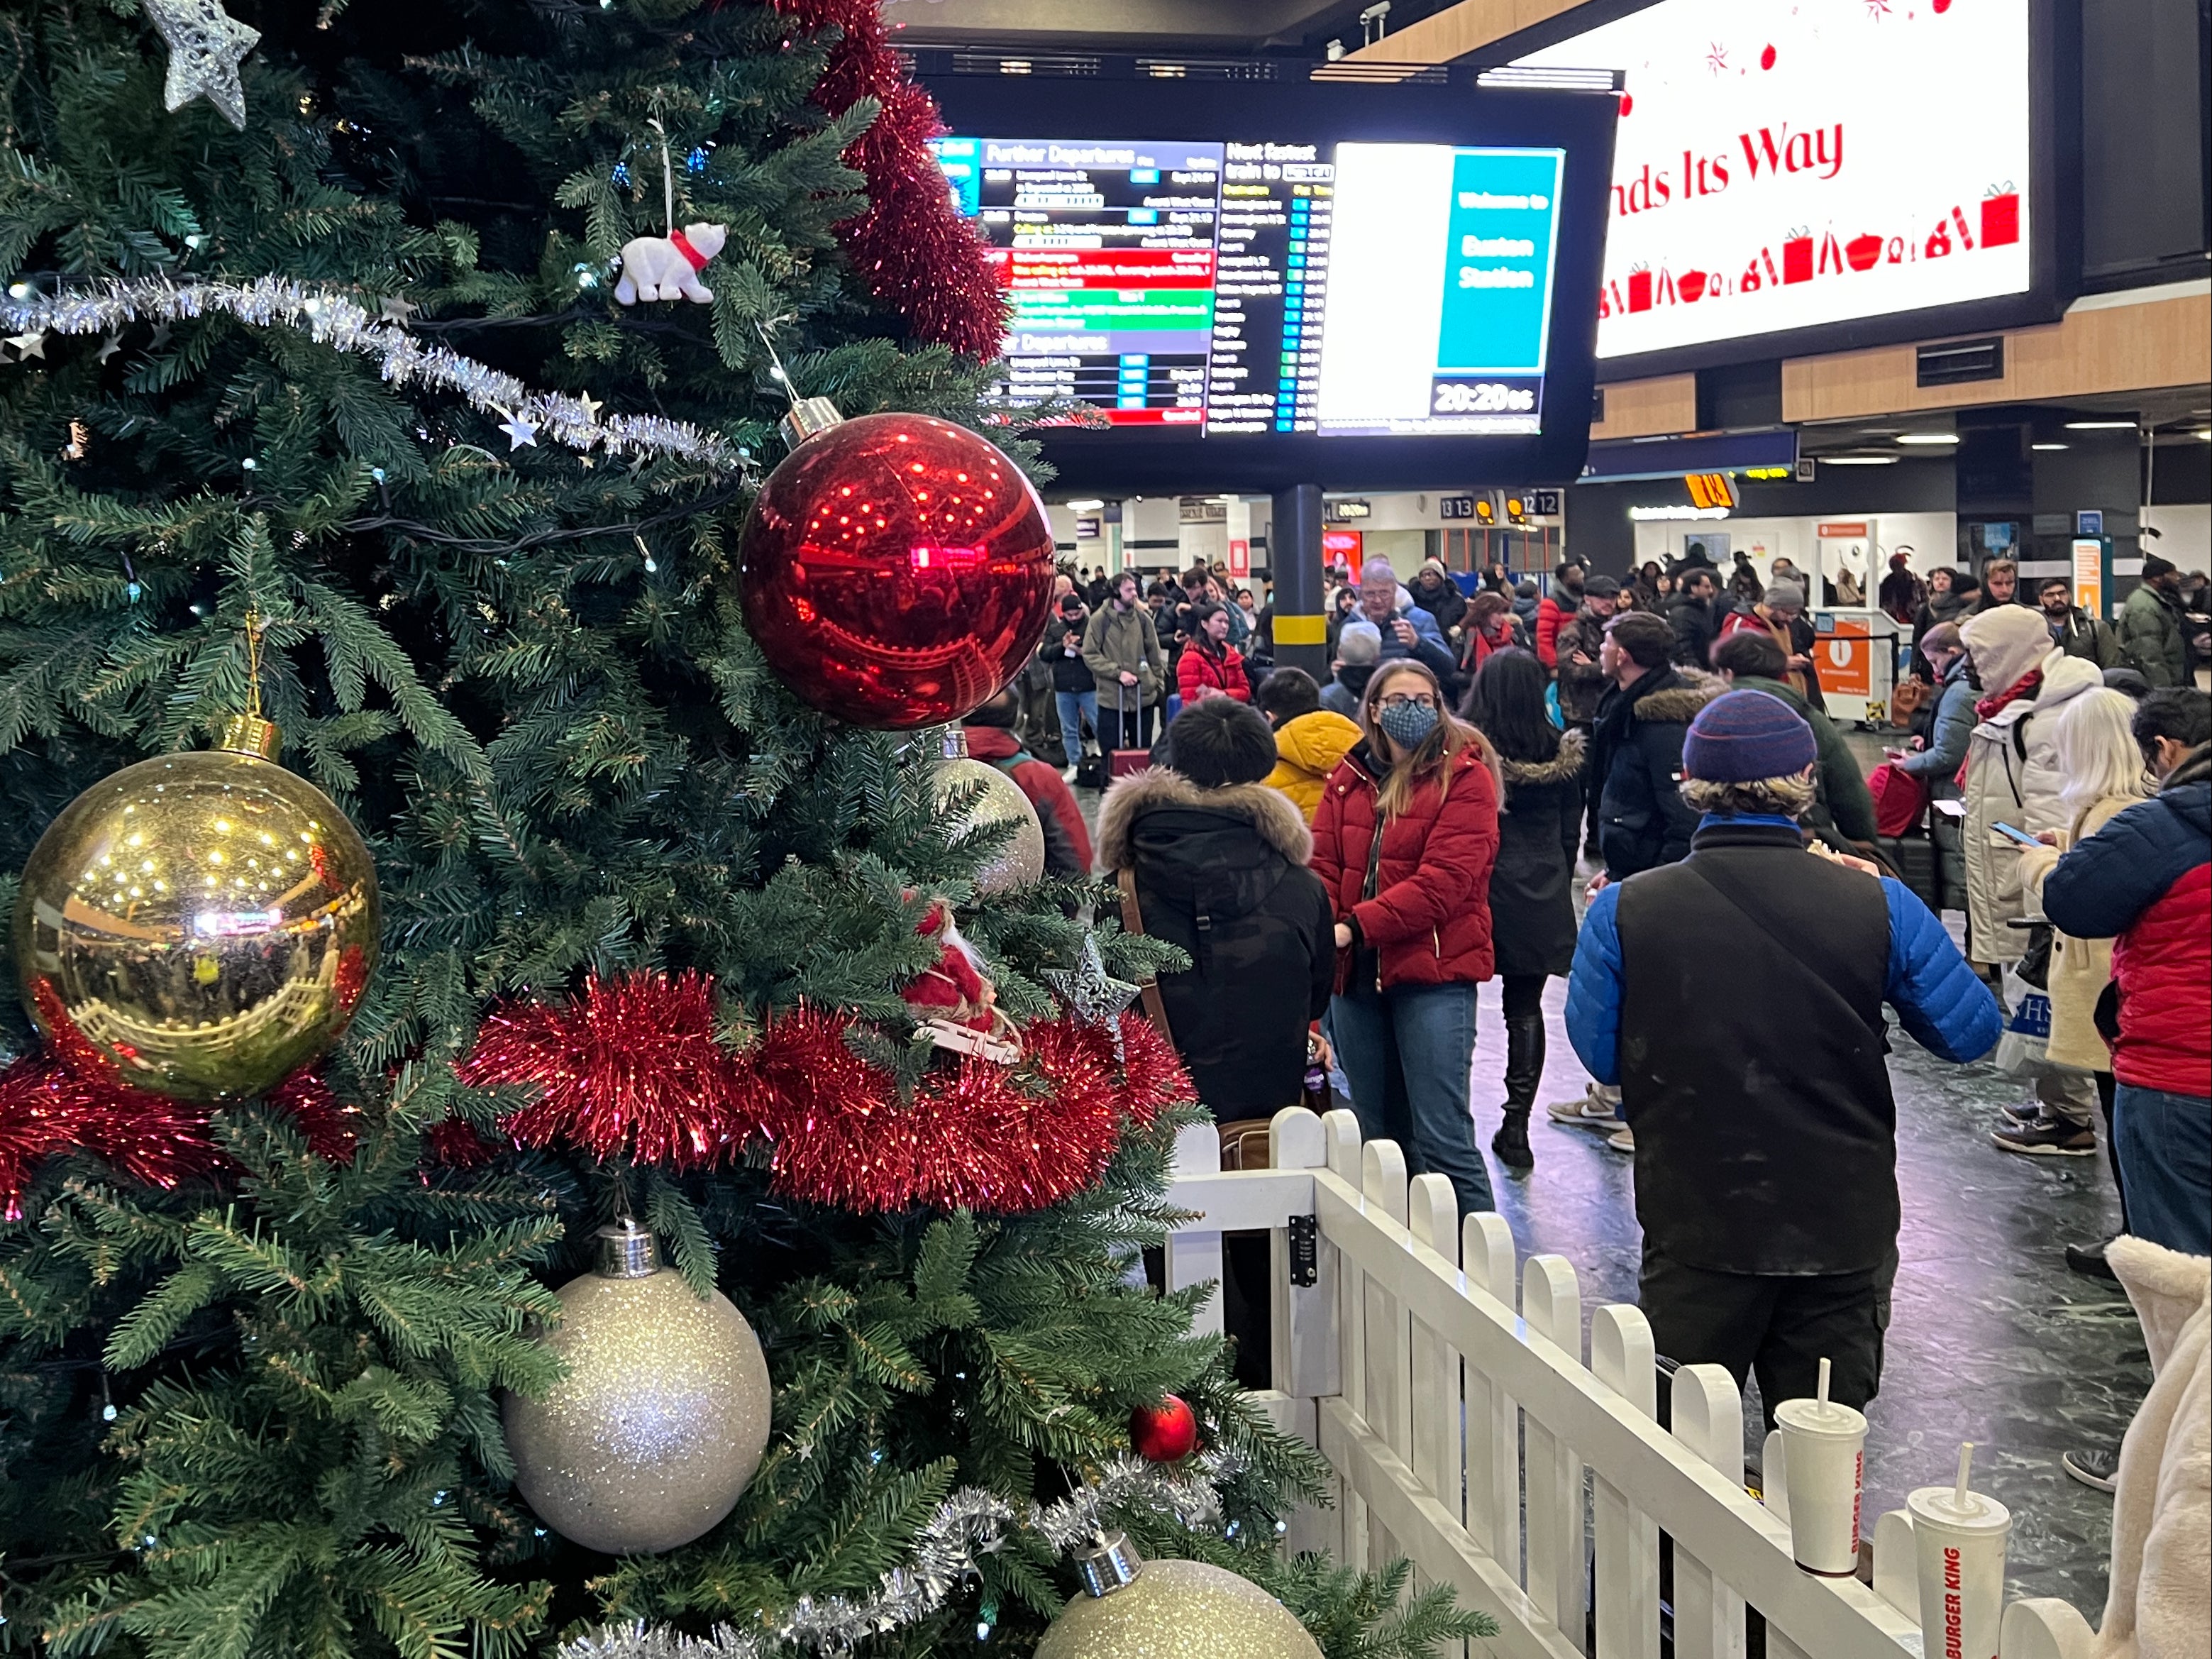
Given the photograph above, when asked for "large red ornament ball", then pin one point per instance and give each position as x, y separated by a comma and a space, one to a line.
1165, 1433
897, 570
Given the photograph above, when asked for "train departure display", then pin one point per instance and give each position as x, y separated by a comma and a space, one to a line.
1263, 286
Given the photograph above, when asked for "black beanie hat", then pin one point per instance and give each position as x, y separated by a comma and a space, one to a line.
1220, 741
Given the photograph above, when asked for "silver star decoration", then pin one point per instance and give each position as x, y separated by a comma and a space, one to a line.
1093, 995
398, 309
206, 46
519, 431
162, 336
113, 345
592, 405
28, 346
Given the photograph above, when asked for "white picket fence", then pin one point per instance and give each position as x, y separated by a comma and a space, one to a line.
1458, 1431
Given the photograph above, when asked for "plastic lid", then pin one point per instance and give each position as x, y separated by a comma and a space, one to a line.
1818, 1417
1941, 1504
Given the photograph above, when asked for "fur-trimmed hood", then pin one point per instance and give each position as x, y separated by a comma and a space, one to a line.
1268, 813
1562, 767
1679, 704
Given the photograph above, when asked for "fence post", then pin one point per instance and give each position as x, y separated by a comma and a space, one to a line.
1494, 1419
1341, 1129
1194, 1258
1432, 1217
1708, 1414
2044, 1627
1622, 1357
1551, 1309
1305, 1361
1389, 1408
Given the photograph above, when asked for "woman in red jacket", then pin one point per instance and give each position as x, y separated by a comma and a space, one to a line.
1210, 666
1404, 840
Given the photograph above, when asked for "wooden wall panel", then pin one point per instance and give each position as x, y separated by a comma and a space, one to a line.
1643, 409
1442, 36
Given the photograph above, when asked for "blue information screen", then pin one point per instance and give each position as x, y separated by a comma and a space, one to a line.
1343, 289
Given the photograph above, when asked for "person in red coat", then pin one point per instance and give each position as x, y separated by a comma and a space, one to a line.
991, 739
1210, 666
1558, 610
1405, 839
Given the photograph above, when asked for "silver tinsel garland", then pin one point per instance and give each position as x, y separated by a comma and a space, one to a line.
331, 319
968, 1525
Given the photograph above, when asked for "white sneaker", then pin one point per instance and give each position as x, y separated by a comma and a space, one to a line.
1068, 772
1622, 1140
1599, 1108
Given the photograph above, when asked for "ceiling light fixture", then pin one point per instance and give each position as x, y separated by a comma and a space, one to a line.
1927, 437
1858, 461
2100, 426
2046, 446
1084, 507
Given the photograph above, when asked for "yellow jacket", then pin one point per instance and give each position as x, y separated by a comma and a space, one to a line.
1306, 750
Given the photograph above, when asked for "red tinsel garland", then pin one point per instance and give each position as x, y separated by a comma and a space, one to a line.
632, 1067
634, 1064
916, 255
48, 1107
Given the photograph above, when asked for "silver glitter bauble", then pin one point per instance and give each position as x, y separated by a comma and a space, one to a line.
1132, 1608
1020, 859
656, 1429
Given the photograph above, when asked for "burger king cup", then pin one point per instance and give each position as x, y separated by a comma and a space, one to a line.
1959, 1539
1823, 1456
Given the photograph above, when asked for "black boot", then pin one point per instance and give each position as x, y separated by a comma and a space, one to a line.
1524, 1071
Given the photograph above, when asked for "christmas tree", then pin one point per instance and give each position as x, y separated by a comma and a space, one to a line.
334, 393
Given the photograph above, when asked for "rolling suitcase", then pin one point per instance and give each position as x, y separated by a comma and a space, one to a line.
1121, 763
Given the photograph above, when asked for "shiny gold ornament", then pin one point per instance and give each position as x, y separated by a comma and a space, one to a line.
206, 921
1132, 1608
655, 1432
1019, 859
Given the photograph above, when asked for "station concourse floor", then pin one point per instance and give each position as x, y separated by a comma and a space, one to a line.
1992, 1338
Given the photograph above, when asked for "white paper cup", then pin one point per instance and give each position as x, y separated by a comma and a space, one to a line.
1960, 1554
1823, 1457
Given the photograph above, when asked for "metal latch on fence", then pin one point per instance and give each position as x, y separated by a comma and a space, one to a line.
1305, 1250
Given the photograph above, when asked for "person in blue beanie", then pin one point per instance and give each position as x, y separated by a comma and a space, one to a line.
1735, 997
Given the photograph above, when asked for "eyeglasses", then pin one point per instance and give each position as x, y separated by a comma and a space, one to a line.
1418, 700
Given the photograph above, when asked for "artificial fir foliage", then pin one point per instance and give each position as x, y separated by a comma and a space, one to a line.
253, 1408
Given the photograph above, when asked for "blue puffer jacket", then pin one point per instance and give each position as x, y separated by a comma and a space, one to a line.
1936, 995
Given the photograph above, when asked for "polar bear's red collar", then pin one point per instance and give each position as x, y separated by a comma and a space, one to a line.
696, 259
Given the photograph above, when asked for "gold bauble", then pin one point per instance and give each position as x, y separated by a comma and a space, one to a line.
205, 921
1136, 1609
654, 1432
1020, 859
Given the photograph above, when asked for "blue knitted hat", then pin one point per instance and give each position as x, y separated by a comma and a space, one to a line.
1740, 737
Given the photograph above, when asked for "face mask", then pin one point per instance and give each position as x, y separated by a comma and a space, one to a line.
1408, 724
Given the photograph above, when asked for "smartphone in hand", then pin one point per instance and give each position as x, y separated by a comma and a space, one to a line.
2011, 832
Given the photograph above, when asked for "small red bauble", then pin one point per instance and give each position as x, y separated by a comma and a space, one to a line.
896, 570
1165, 1433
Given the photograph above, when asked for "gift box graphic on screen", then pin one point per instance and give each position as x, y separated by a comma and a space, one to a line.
1639, 289
1797, 256
2001, 215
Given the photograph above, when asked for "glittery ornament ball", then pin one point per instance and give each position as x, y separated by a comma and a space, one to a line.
998, 799
654, 1433
1179, 1610
896, 570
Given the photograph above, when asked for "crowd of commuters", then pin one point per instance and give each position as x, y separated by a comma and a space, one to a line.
1346, 861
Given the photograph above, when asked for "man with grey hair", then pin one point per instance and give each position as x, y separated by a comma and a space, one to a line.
1781, 617
1406, 629
1736, 997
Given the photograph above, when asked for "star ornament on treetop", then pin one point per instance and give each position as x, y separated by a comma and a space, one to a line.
206, 47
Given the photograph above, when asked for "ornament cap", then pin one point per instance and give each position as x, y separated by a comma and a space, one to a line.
249, 734
1111, 1564
809, 417
954, 743
626, 1251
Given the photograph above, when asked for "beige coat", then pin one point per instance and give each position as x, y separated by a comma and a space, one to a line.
2161, 1602
2012, 777
2081, 969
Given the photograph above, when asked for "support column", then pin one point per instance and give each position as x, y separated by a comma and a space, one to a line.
1294, 556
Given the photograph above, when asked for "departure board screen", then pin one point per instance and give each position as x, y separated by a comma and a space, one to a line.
1263, 287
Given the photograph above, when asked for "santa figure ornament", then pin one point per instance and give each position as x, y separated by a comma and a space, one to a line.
953, 1005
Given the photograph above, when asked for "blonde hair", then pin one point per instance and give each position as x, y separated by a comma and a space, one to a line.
1789, 798
2094, 735
1433, 756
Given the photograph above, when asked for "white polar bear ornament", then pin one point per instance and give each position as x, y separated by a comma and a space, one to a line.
668, 267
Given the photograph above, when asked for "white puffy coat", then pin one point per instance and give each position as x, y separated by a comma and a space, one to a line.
2012, 777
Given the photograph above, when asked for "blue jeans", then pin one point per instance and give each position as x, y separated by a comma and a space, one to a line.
2165, 1144
1074, 707
1408, 1052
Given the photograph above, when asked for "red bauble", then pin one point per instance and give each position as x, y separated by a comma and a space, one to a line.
897, 570
1165, 1433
